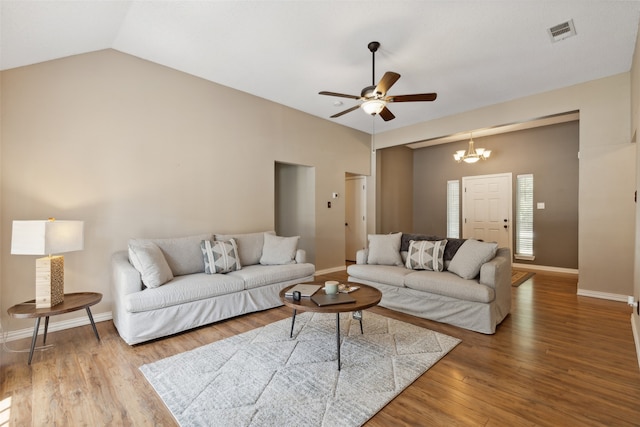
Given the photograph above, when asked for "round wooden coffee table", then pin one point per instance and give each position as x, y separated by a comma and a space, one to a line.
365, 297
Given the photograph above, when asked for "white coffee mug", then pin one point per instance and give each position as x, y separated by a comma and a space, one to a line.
331, 287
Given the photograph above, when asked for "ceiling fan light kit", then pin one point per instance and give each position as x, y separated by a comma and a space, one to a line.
373, 106
374, 98
472, 155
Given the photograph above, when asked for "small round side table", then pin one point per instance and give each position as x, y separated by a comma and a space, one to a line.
72, 302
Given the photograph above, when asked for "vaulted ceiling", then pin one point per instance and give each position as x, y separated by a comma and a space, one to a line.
473, 53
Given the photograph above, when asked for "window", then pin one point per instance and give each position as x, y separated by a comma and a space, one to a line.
524, 217
453, 209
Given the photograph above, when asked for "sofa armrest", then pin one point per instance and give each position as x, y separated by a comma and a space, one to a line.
497, 274
125, 278
301, 256
361, 256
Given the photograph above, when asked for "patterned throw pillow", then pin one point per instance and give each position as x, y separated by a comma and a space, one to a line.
219, 256
426, 255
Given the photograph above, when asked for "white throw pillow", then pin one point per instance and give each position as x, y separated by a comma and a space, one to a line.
384, 249
249, 245
467, 262
220, 257
148, 259
279, 250
426, 255
181, 253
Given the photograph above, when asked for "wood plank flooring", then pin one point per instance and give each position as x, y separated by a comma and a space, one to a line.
557, 360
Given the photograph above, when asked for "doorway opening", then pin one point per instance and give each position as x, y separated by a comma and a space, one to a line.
355, 223
295, 205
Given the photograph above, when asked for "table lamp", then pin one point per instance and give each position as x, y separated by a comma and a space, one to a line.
47, 237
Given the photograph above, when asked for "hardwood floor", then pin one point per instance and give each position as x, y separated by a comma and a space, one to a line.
557, 360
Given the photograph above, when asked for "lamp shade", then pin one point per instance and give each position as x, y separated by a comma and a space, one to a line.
46, 237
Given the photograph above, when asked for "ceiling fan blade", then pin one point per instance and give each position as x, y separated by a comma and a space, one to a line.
412, 98
386, 114
387, 81
342, 95
345, 111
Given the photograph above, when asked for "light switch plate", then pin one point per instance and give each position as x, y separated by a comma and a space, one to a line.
540, 205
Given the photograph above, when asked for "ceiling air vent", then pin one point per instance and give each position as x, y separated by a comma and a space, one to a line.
562, 31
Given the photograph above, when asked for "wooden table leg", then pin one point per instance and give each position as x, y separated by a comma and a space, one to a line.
33, 340
93, 324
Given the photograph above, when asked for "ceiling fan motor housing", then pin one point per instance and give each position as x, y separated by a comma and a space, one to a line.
370, 92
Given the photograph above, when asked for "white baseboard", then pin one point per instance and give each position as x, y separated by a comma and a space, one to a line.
330, 270
601, 295
635, 328
55, 326
545, 268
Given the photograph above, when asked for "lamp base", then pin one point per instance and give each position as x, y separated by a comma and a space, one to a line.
49, 281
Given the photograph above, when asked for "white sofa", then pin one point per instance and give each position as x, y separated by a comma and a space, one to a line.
168, 290
473, 290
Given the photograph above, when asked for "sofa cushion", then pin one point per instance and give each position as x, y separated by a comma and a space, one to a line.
148, 259
426, 255
255, 276
183, 254
219, 256
278, 250
183, 289
449, 285
249, 245
386, 274
469, 258
384, 249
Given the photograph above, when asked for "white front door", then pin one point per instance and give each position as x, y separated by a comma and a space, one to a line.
355, 221
486, 208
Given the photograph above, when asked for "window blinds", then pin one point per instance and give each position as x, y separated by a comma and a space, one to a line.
453, 209
524, 215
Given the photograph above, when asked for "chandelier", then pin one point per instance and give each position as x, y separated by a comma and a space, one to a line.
473, 154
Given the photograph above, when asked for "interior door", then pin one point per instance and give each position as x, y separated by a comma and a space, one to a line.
355, 219
486, 208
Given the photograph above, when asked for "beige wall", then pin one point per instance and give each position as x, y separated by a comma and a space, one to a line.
635, 124
395, 191
136, 149
607, 169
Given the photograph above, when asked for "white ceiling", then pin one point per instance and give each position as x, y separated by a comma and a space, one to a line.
472, 53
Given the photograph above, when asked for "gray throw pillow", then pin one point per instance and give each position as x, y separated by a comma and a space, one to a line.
220, 257
384, 249
148, 259
467, 262
426, 255
279, 250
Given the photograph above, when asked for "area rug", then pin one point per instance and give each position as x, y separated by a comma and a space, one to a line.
264, 378
519, 277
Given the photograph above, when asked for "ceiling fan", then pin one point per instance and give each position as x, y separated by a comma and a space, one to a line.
374, 98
